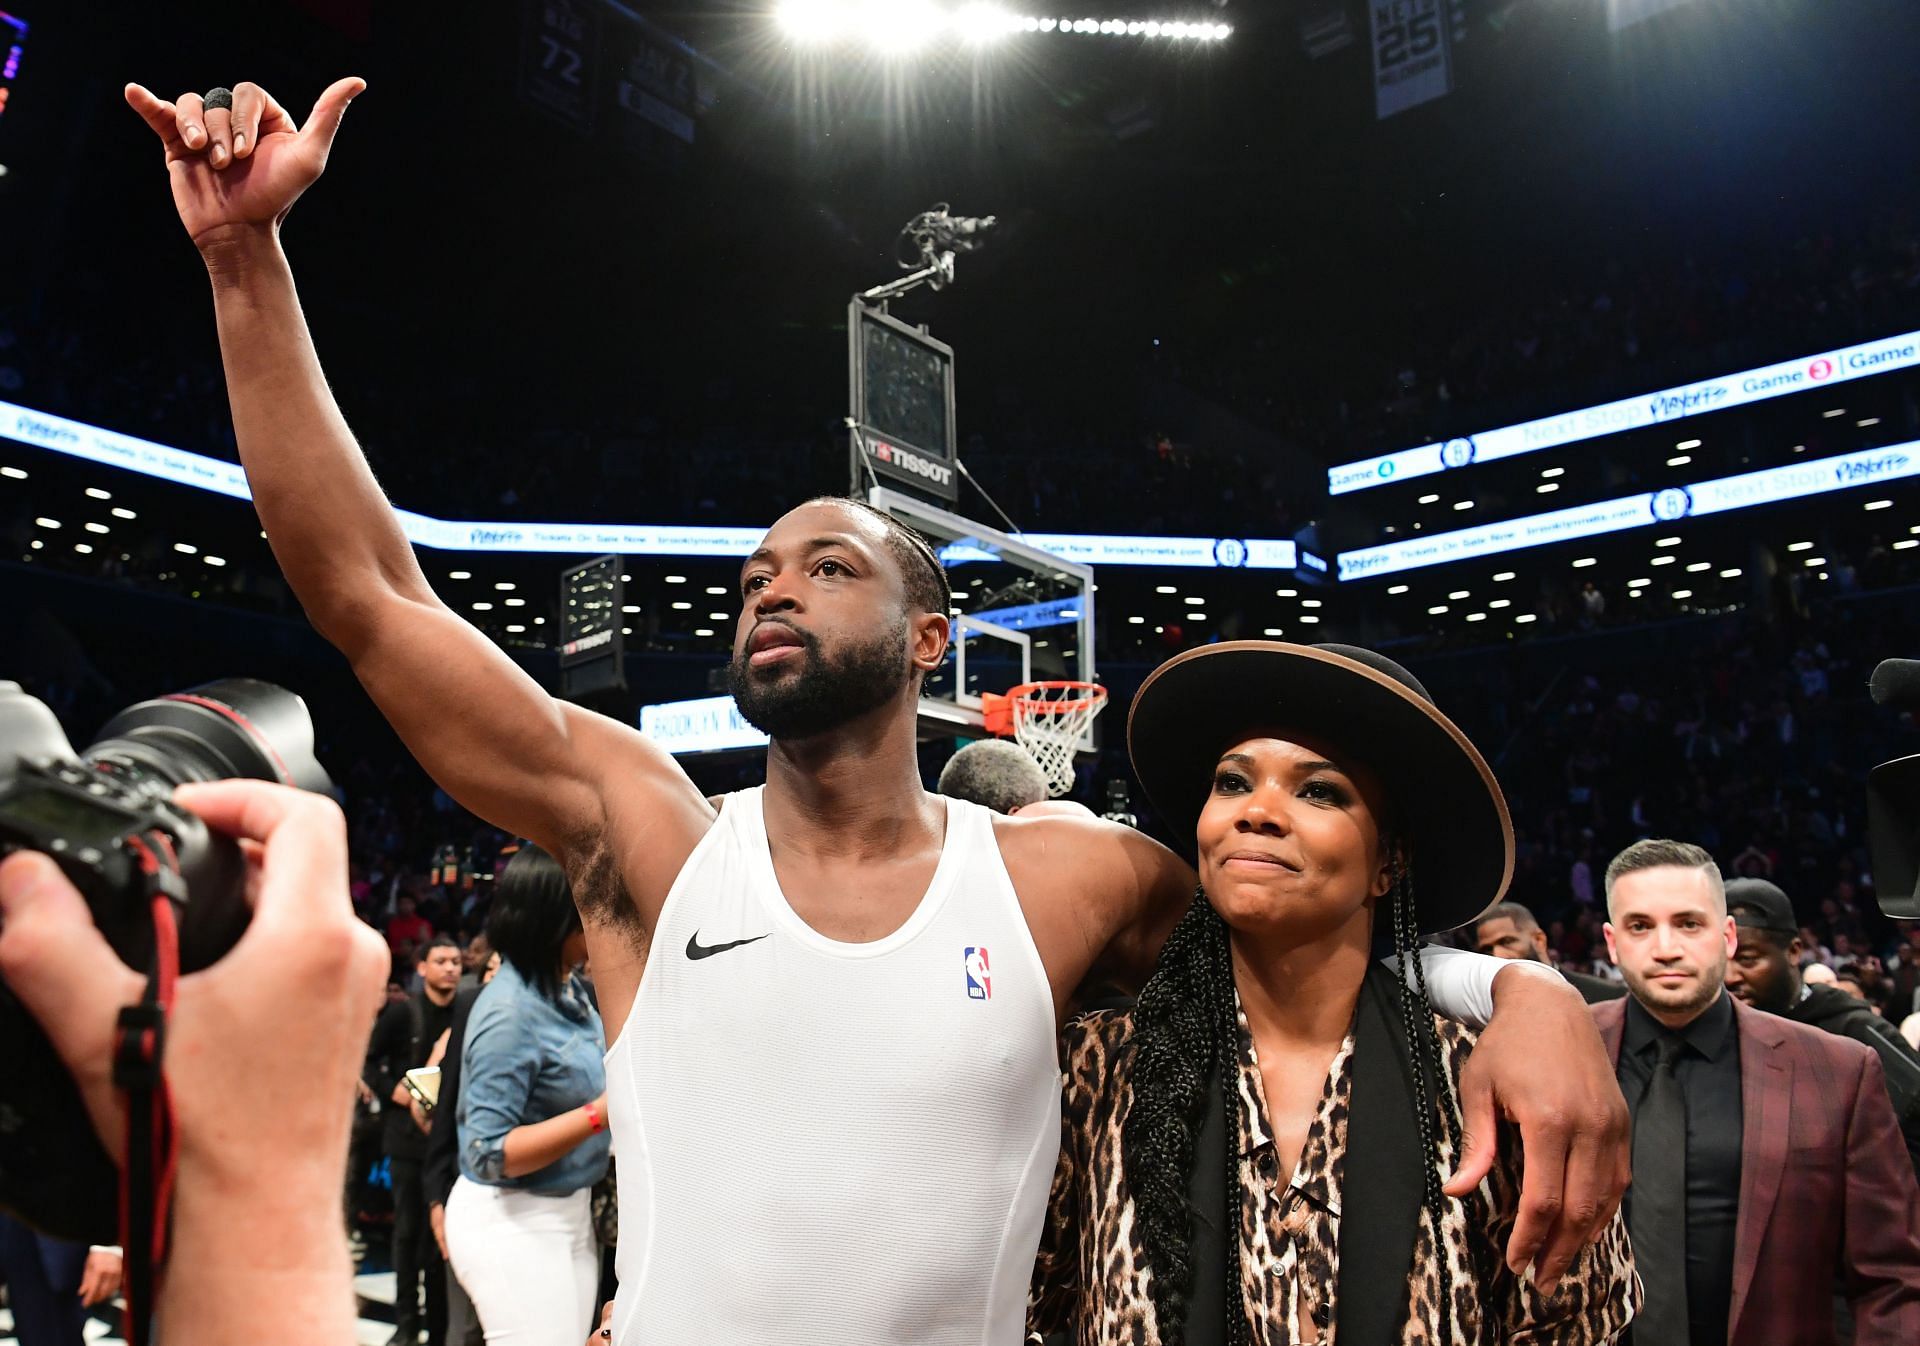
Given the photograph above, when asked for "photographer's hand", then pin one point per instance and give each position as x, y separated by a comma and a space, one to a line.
279, 1022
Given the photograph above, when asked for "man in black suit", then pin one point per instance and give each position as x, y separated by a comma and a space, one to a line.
1509, 931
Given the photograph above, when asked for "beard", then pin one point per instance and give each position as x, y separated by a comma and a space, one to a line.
825, 691
1689, 997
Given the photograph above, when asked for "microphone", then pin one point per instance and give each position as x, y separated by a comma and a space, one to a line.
1896, 683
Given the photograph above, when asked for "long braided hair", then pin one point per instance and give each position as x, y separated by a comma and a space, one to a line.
1185, 1030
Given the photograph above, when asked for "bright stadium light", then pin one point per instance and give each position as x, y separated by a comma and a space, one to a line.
902, 25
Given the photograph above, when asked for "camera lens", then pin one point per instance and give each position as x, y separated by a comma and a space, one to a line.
234, 728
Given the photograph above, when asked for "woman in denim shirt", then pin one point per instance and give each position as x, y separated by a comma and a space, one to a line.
531, 1120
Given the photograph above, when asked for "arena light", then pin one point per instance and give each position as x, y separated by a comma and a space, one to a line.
1136, 621
1310, 621
1829, 415
120, 513
186, 549
1664, 560
721, 591
1398, 588
504, 586
1546, 488
1666, 542
1165, 589
1476, 616
1286, 593
1680, 460
47, 523
214, 560
1501, 603
483, 607
905, 25
1309, 602
515, 630
1463, 504
1867, 422
717, 617
1799, 546
1523, 619
1436, 610
1907, 544
98, 528
676, 579
95, 493
1730, 573
516, 602
1699, 566
1459, 594
1552, 471
1639, 583
1429, 499
85, 549
683, 607
704, 631
1586, 561
1686, 444
1682, 593
13, 472
1879, 504
631, 609
1504, 576
459, 574
1813, 561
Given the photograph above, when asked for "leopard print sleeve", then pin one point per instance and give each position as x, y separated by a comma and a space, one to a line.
1054, 1299
1595, 1300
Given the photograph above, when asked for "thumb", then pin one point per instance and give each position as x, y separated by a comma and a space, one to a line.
56, 961
1479, 1135
324, 121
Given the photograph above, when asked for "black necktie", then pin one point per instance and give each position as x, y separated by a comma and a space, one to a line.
1657, 1210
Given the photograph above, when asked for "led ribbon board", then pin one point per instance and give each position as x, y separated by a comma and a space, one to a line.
1633, 413
110, 448
1765, 487
708, 724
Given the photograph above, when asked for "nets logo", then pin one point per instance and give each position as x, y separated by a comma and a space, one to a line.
1676, 502
979, 980
1820, 369
1230, 552
1457, 453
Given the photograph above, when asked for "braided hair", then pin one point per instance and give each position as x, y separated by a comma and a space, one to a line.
1186, 1028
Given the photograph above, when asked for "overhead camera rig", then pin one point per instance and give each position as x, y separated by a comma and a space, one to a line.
899, 378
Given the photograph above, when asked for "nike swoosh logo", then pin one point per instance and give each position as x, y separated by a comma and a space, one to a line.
695, 949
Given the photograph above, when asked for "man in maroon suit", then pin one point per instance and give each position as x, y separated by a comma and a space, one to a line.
1766, 1158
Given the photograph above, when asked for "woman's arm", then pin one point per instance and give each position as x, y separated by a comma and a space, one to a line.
530, 1148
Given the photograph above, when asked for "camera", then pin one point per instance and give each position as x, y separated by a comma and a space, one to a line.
81, 810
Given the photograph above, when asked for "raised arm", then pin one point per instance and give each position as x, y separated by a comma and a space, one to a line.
490, 735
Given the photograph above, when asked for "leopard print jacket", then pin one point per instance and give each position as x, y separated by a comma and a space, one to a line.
1091, 1284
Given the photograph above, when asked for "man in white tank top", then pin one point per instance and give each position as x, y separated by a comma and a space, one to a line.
835, 1103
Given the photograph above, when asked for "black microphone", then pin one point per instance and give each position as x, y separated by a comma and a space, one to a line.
1896, 683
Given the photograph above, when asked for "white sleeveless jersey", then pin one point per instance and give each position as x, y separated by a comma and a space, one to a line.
818, 1142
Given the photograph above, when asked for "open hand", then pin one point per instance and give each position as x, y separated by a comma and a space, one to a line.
100, 1280
243, 167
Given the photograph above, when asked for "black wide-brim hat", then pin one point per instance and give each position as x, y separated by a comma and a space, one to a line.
1447, 805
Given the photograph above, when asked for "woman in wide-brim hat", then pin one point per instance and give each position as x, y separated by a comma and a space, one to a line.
1255, 1152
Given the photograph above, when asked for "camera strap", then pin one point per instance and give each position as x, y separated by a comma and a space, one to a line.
146, 1176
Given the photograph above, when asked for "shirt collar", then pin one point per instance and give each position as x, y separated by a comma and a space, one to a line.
1709, 1034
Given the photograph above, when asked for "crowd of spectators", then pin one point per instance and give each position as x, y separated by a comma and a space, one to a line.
1169, 456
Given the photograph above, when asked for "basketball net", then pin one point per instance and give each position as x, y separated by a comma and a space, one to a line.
1048, 719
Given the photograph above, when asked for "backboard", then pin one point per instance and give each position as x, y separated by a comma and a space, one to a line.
1020, 614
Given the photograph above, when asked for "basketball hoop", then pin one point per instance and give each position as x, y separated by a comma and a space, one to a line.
1048, 719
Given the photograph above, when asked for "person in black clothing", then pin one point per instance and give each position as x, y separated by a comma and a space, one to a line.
1508, 930
1765, 973
403, 1038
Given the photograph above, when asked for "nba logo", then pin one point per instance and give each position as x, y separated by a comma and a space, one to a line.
979, 981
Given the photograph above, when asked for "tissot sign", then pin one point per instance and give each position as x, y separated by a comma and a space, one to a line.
917, 469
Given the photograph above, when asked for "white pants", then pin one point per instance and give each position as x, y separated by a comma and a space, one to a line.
528, 1262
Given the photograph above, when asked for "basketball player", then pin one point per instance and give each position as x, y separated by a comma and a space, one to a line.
834, 1093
